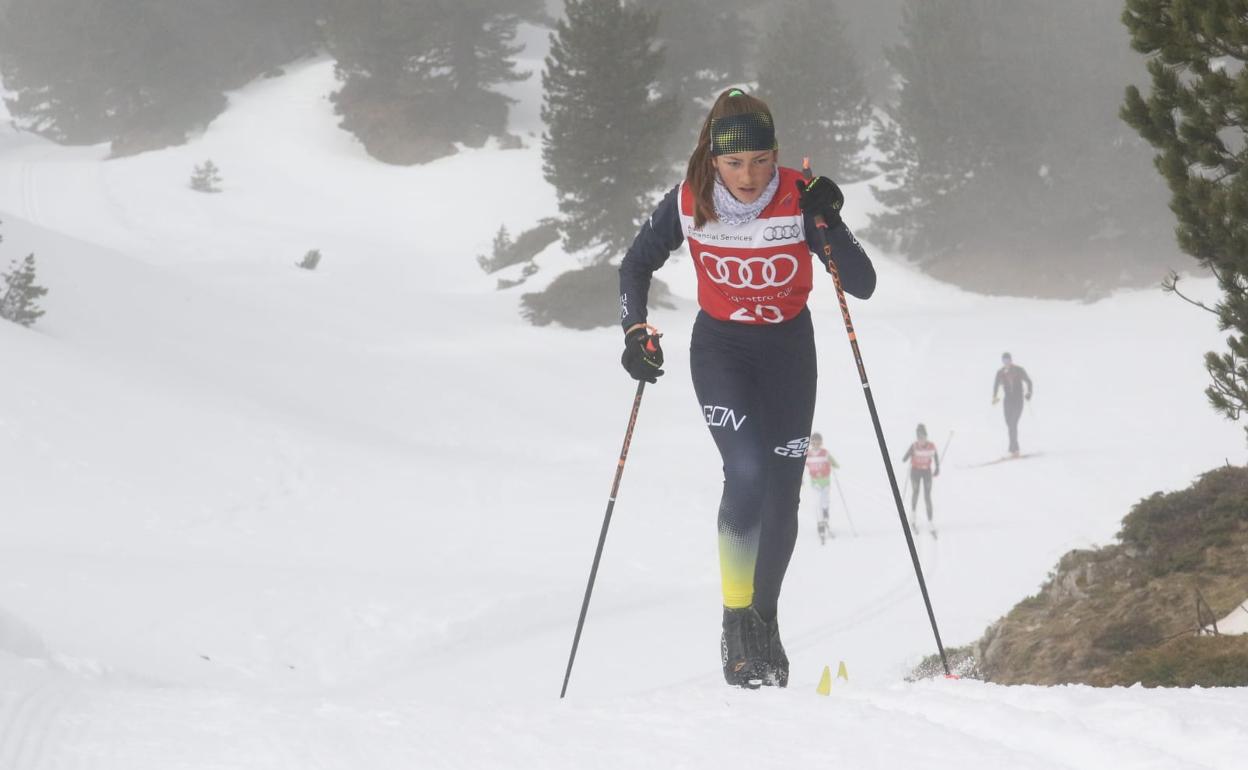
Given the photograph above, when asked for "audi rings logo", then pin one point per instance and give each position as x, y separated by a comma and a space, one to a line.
751, 273
781, 232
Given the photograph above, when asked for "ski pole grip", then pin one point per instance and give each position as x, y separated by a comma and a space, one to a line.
808, 174
652, 334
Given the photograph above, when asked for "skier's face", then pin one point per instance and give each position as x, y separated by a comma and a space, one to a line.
746, 174
816, 443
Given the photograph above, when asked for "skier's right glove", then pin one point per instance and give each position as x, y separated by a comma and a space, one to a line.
642, 356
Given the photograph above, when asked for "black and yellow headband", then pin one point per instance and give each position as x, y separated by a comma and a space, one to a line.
749, 132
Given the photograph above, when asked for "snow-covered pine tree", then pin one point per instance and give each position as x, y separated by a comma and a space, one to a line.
17, 304
1196, 116
604, 126
206, 178
809, 76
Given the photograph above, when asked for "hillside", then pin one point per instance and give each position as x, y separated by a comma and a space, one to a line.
262, 517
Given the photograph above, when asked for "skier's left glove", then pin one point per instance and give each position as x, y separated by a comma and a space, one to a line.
642, 356
821, 196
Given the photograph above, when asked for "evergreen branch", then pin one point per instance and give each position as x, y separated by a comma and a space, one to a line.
1170, 285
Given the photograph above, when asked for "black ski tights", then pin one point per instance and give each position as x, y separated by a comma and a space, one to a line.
756, 385
921, 478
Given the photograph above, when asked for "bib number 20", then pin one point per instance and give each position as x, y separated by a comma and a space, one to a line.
768, 313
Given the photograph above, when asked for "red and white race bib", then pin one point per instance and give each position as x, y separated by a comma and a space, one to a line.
756, 273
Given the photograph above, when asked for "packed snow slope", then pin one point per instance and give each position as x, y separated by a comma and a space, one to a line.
260, 517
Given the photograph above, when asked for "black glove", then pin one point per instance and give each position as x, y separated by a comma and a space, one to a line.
642, 355
821, 196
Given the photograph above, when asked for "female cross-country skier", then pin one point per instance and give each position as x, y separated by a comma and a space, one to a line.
921, 454
819, 465
750, 227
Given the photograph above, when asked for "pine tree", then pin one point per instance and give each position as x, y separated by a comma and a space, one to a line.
1196, 116
810, 78
876, 25
206, 178
481, 52
928, 157
705, 47
419, 76
21, 293
603, 124
140, 73
1008, 170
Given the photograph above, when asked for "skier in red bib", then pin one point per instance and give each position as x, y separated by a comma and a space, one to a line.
750, 226
819, 465
923, 456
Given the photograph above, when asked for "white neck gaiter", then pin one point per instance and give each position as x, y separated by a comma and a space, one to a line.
733, 212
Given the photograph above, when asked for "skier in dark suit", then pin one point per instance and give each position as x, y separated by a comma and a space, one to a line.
1011, 379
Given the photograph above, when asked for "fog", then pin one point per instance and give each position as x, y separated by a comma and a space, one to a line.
990, 129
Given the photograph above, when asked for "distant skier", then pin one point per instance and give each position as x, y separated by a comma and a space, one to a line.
1011, 378
819, 465
750, 226
923, 456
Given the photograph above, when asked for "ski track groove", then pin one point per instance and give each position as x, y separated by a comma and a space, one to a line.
1071, 730
1040, 706
878, 605
29, 723
981, 740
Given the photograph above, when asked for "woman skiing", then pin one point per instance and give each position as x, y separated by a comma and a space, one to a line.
819, 466
750, 224
921, 454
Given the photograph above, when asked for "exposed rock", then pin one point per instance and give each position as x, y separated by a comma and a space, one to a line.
1134, 612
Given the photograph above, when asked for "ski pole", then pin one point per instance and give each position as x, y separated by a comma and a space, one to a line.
844, 504
944, 453
822, 227
602, 536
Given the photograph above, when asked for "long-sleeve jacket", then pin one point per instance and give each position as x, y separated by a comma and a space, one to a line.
1011, 379
664, 232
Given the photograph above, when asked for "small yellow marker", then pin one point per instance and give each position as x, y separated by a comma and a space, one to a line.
842, 672
825, 681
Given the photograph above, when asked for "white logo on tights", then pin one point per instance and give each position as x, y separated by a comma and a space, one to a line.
795, 448
719, 416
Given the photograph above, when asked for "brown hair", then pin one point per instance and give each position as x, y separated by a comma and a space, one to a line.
700, 175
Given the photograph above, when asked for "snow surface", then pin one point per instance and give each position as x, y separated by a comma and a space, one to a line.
260, 517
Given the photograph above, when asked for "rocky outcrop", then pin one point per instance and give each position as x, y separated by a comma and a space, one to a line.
1142, 610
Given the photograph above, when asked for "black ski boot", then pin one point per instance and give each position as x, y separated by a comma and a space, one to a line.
743, 646
777, 662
